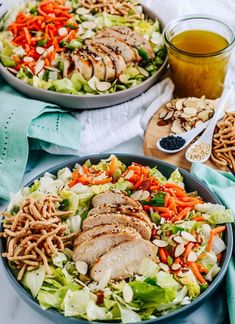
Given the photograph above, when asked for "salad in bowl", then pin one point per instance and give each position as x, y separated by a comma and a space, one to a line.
81, 47
109, 241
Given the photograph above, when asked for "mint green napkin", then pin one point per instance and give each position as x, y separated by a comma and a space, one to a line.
22, 118
223, 185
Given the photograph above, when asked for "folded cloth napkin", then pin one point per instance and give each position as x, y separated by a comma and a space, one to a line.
103, 129
22, 118
223, 185
58, 132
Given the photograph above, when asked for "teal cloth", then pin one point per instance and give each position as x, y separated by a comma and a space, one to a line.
22, 118
223, 185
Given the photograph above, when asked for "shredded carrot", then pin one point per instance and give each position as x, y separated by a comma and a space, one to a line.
102, 181
112, 166
199, 219
161, 209
139, 181
182, 214
188, 249
163, 255
152, 188
214, 232
201, 268
174, 186
201, 256
218, 230
196, 272
85, 169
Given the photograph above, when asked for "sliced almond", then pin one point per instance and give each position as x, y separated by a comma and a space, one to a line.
127, 293
203, 115
136, 195
176, 127
40, 50
160, 243
175, 266
179, 104
179, 239
190, 103
169, 115
82, 11
190, 111
145, 195
81, 266
192, 257
179, 250
163, 266
62, 31
129, 174
163, 113
185, 116
39, 66
188, 237
89, 24
28, 59
201, 104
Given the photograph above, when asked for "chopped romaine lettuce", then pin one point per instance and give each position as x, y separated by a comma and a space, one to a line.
75, 302
33, 280
128, 315
154, 172
148, 268
176, 177
215, 213
59, 259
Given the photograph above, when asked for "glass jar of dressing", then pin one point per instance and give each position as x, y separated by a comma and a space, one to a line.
199, 49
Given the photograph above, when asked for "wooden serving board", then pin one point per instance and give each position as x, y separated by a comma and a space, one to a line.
155, 132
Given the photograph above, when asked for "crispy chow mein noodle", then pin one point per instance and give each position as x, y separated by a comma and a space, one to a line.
35, 234
223, 151
113, 7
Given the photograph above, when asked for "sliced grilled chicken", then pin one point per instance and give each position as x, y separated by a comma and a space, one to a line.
112, 218
91, 250
124, 259
121, 209
114, 197
128, 36
104, 229
82, 63
118, 60
98, 64
107, 60
128, 52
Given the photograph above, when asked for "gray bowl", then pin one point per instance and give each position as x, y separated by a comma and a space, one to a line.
87, 101
191, 184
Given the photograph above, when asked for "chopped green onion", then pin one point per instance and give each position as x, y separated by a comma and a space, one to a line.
155, 218
158, 200
42, 42
142, 52
169, 261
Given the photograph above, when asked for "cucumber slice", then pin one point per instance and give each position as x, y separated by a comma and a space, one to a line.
103, 86
143, 71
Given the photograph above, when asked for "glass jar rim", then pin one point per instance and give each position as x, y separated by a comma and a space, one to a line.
171, 24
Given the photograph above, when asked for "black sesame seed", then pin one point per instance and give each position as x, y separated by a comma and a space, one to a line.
172, 142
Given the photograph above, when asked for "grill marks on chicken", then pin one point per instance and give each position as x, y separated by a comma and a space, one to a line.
106, 55
90, 250
115, 235
112, 218
115, 197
